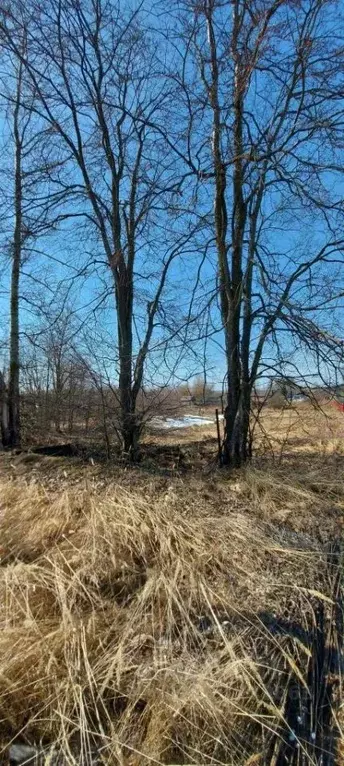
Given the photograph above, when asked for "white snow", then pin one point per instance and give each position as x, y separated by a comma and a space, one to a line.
184, 421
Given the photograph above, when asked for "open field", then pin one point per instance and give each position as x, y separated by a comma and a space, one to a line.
168, 613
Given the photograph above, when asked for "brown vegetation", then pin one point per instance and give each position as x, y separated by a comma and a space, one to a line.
144, 619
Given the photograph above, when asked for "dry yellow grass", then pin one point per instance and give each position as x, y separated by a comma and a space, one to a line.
293, 427
301, 428
101, 602
136, 616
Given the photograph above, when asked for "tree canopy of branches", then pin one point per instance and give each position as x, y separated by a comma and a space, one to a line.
204, 137
101, 94
261, 95
29, 206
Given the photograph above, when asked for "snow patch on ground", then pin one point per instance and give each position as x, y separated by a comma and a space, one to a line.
184, 421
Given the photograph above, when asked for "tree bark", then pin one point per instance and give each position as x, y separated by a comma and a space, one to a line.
128, 425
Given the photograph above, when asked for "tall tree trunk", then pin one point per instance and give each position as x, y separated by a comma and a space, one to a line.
13, 385
234, 451
128, 427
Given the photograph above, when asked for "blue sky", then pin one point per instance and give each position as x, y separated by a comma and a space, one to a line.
58, 259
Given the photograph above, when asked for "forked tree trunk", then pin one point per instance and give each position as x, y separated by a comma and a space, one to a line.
236, 445
234, 450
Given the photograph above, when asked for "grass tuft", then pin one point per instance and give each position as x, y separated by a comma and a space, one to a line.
141, 624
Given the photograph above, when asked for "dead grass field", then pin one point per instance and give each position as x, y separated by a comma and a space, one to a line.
143, 611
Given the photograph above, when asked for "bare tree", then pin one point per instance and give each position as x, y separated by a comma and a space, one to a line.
261, 113
228, 140
13, 386
104, 99
28, 204
11, 436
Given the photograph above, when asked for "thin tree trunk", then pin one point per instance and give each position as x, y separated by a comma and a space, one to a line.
57, 411
13, 385
4, 430
105, 428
